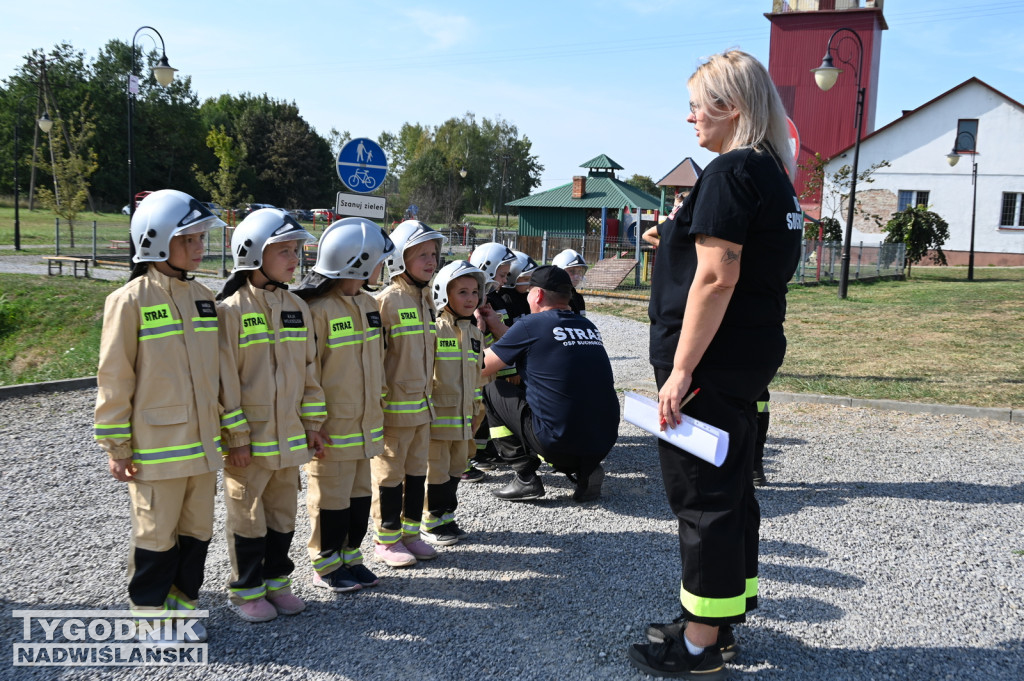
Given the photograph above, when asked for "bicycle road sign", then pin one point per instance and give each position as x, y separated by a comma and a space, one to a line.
362, 165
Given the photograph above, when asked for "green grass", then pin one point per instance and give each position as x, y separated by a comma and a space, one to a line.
49, 327
37, 228
934, 338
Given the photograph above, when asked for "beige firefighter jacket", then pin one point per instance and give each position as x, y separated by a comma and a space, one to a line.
407, 313
157, 378
350, 353
268, 371
457, 392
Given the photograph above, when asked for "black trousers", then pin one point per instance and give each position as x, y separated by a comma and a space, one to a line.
511, 421
719, 517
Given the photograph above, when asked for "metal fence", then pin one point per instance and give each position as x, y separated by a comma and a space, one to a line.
625, 265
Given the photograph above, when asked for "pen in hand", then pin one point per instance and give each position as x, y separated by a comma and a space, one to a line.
686, 400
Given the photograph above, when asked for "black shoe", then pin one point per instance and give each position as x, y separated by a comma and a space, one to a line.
458, 531
473, 474
485, 463
363, 575
520, 490
442, 535
671, 658
656, 633
759, 477
589, 488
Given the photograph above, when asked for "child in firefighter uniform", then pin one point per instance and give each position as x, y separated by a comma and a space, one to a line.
269, 375
517, 285
400, 473
573, 263
495, 261
157, 415
457, 395
350, 357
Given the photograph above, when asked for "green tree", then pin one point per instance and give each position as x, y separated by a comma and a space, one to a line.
224, 184
73, 164
922, 231
644, 183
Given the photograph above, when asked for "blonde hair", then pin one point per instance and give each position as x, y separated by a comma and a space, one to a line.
734, 82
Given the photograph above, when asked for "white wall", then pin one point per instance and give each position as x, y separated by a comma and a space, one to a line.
917, 146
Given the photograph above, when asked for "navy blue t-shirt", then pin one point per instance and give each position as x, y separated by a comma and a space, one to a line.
745, 197
569, 382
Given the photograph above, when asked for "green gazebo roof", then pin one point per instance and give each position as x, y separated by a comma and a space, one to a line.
601, 161
602, 192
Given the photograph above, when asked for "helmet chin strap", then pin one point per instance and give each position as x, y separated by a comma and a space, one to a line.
457, 316
185, 276
414, 280
271, 281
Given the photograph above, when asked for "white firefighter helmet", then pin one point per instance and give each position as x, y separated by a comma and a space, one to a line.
490, 256
406, 235
260, 229
568, 258
350, 248
163, 215
451, 272
524, 264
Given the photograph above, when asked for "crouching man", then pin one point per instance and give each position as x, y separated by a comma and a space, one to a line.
565, 409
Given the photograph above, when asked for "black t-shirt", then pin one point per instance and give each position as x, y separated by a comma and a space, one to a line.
744, 197
569, 382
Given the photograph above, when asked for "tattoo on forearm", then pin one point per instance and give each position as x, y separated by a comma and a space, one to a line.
730, 256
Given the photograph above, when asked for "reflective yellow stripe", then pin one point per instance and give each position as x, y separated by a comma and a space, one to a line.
713, 607
752, 587
762, 407
500, 431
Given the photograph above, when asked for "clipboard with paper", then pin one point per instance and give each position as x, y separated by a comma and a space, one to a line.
692, 435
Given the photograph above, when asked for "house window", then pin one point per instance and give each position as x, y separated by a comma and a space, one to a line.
1012, 214
966, 136
911, 197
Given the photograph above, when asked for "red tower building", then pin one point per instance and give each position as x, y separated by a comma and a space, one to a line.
825, 120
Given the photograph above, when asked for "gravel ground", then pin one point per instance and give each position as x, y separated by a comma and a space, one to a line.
891, 547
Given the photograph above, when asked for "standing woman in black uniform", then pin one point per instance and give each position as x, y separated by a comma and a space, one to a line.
718, 302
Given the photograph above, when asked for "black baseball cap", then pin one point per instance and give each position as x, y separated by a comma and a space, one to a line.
551, 278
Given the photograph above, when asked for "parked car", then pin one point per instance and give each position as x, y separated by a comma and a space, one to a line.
214, 208
302, 214
325, 215
251, 208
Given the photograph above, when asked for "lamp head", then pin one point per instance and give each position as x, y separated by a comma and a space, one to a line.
462, 173
826, 75
45, 122
164, 72
953, 158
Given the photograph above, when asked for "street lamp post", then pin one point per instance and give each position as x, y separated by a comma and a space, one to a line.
44, 124
825, 76
164, 75
954, 157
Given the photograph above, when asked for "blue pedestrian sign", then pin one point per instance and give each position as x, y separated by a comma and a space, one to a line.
361, 165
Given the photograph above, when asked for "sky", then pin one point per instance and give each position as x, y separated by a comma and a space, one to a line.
578, 79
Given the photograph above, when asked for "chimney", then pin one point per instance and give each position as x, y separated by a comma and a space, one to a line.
579, 186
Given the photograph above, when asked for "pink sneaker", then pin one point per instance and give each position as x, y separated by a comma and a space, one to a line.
259, 610
419, 548
286, 603
395, 555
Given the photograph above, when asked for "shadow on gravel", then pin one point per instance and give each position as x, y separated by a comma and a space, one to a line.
768, 654
778, 499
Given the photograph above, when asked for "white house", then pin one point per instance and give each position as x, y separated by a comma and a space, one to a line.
972, 116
